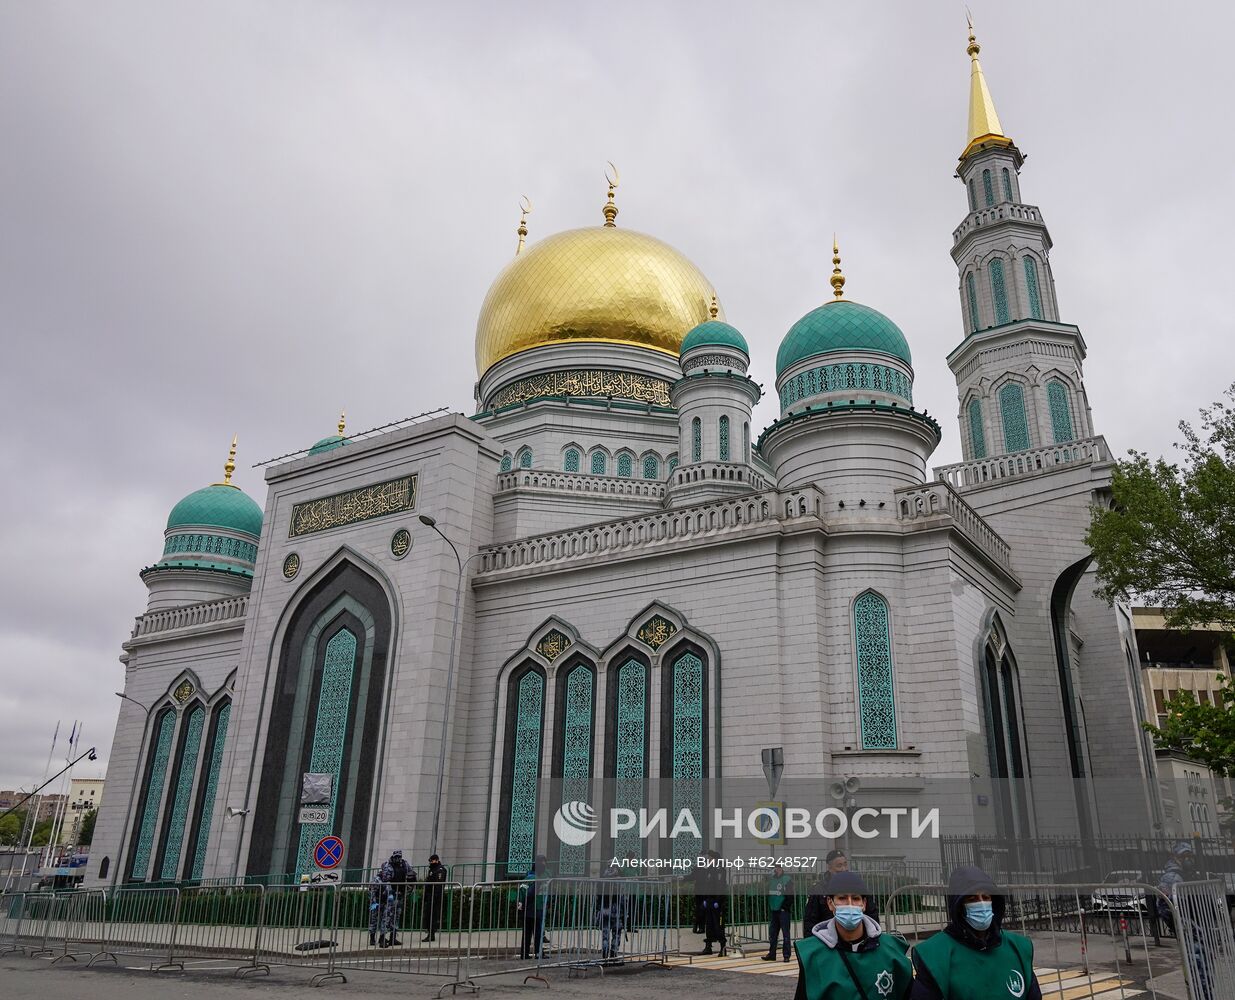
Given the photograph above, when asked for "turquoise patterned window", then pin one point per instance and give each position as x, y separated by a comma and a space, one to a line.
672, 463
1061, 412
651, 467
1007, 185
988, 190
999, 292
724, 439
876, 698
525, 458
688, 748
330, 732
577, 757
972, 292
571, 460
973, 197
1012, 413
507, 462
215, 764
977, 434
631, 749
161, 754
1031, 285
625, 466
525, 772
186, 771
696, 440
599, 463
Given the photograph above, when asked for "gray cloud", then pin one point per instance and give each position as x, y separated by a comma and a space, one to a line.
241, 217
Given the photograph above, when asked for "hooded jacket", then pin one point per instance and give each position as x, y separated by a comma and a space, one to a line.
877, 960
944, 964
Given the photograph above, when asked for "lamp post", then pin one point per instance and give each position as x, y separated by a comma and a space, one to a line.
431, 522
128, 809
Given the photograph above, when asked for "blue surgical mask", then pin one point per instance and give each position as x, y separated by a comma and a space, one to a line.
849, 916
979, 916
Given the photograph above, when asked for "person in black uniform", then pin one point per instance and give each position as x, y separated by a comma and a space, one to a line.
402, 875
712, 894
434, 891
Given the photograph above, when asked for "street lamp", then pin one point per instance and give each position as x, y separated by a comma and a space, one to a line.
431, 522
128, 809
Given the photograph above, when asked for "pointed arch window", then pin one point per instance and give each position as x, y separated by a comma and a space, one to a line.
570, 461
576, 730
686, 726
999, 292
1012, 415
973, 197
525, 458
1031, 287
334, 700
160, 755
988, 189
205, 808
651, 467
184, 774
524, 749
746, 442
600, 463
971, 292
672, 463
1007, 185
876, 696
507, 462
1004, 742
696, 440
625, 466
977, 433
1061, 411
724, 438
630, 748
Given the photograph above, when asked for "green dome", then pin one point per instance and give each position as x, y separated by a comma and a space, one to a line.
714, 333
328, 444
218, 506
841, 326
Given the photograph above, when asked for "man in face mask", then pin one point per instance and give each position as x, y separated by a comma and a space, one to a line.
974, 958
816, 910
849, 956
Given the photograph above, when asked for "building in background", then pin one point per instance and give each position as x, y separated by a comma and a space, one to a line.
84, 794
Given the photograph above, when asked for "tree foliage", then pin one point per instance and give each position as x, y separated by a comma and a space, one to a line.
1169, 538
1203, 731
86, 833
13, 830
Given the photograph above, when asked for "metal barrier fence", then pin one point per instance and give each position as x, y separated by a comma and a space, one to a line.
12, 918
1107, 924
1205, 940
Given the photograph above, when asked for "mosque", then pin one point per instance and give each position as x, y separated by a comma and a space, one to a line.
605, 577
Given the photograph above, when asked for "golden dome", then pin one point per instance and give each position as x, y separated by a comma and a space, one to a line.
600, 286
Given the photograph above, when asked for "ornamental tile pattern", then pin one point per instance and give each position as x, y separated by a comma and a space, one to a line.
876, 702
688, 748
1012, 413
154, 795
577, 758
368, 502
525, 776
552, 644
655, 631
212, 788
1061, 414
185, 773
631, 749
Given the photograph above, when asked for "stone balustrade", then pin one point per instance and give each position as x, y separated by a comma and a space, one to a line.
580, 482
730, 472
616, 537
207, 612
1016, 464
933, 499
985, 216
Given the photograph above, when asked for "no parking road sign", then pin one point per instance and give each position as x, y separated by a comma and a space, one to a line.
329, 852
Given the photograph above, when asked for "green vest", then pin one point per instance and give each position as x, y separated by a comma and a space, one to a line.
1001, 973
885, 972
776, 892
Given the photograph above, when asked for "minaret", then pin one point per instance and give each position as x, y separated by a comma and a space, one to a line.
1018, 369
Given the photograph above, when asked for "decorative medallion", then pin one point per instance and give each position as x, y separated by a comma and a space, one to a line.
584, 382
183, 692
400, 543
552, 644
291, 565
656, 631
363, 504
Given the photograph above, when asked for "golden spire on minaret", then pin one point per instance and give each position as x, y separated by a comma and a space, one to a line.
984, 124
230, 465
525, 206
837, 279
342, 422
611, 175
713, 309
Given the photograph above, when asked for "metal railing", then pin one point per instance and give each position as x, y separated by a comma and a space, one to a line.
1203, 927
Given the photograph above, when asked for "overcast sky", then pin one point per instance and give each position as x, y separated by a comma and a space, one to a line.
240, 217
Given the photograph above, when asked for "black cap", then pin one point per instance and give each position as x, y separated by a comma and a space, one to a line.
434, 857
847, 884
833, 855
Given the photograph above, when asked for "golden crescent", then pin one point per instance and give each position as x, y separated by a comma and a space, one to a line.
611, 175
525, 204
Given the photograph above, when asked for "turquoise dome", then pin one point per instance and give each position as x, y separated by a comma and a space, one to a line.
219, 506
328, 444
841, 326
714, 333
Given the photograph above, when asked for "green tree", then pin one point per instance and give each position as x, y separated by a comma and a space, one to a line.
1203, 731
1169, 538
11, 827
86, 833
